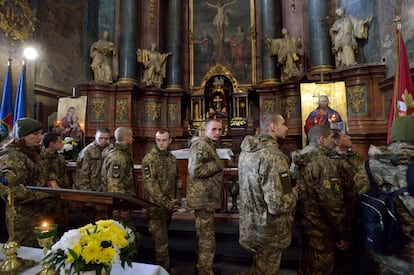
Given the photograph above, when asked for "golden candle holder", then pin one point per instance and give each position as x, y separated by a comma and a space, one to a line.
12, 264
45, 235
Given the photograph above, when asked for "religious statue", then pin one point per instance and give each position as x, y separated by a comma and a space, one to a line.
288, 50
154, 66
343, 33
104, 60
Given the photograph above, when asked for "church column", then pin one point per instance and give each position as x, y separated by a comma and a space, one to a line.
268, 24
128, 48
174, 44
319, 41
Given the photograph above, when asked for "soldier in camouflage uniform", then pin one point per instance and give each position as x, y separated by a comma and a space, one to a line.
118, 170
205, 179
53, 162
162, 183
389, 164
320, 209
265, 187
347, 163
118, 165
21, 155
89, 162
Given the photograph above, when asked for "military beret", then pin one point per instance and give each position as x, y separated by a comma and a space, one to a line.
26, 126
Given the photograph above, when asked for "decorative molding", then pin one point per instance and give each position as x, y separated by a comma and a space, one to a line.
16, 19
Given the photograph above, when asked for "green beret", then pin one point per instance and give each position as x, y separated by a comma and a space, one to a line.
26, 126
403, 129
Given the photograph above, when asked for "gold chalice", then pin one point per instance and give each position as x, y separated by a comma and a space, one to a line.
45, 235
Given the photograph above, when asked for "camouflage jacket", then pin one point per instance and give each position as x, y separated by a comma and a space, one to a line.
389, 164
347, 168
267, 202
162, 179
205, 175
118, 169
88, 168
30, 205
54, 166
320, 208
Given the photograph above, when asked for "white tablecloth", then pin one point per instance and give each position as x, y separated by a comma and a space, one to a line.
184, 153
37, 254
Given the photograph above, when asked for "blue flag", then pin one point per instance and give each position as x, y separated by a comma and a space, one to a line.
6, 111
20, 103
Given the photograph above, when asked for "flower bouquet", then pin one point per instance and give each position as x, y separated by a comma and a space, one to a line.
70, 148
94, 247
238, 122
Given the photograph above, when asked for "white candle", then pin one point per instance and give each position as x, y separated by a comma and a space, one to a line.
74, 91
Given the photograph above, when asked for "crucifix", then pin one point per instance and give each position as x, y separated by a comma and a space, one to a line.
217, 100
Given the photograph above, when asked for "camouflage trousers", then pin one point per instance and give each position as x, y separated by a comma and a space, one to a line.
206, 242
266, 260
316, 259
159, 220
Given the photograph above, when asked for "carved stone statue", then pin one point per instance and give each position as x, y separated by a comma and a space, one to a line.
154, 66
104, 60
288, 50
344, 32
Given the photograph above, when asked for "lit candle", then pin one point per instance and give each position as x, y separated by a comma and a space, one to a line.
44, 227
333, 118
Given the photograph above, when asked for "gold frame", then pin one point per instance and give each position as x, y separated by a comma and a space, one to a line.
309, 94
243, 87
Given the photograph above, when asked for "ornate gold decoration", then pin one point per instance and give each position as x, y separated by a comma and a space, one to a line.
121, 109
292, 5
98, 108
153, 110
152, 12
290, 104
16, 19
172, 112
218, 69
356, 97
269, 105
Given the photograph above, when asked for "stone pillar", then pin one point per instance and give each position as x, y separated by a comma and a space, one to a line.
268, 29
319, 40
174, 44
128, 48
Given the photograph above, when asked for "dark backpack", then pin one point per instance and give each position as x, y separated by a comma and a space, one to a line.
378, 225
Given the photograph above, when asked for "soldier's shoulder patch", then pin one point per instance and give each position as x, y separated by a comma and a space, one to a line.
115, 170
335, 185
147, 172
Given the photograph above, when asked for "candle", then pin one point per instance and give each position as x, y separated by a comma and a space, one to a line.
333, 118
44, 227
74, 91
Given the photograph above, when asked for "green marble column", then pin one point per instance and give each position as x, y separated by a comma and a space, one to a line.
128, 48
174, 44
319, 40
270, 9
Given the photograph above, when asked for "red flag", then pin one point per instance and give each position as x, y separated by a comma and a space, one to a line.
403, 91
6, 111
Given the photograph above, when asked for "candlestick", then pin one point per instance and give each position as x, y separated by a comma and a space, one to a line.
45, 235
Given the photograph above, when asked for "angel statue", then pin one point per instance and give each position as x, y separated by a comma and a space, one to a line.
154, 66
288, 50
